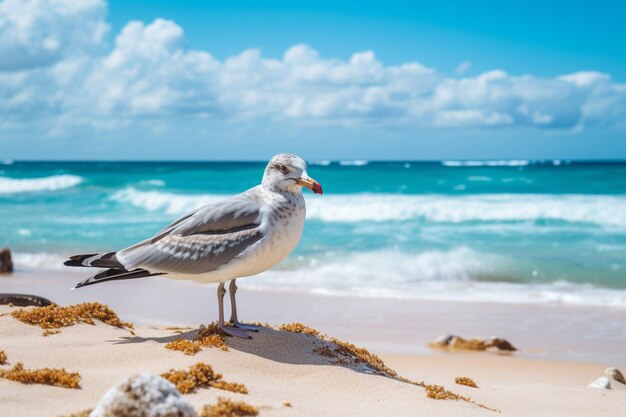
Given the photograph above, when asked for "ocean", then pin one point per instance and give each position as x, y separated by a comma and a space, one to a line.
484, 231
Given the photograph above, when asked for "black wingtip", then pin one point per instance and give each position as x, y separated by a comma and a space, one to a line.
79, 285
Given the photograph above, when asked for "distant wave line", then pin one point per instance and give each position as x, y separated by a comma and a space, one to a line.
52, 183
602, 210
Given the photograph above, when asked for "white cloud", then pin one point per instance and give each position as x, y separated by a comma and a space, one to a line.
36, 33
67, 78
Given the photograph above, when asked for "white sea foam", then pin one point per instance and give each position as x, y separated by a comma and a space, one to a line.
157, 183
602, 210
498, 163
596, 209
24, 185
28, 261
323, 162
161, 201
456, 275
357, 163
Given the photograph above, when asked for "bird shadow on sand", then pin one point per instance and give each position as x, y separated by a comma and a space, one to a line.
281, 346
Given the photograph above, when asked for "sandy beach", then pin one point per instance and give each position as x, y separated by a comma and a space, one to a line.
547, 377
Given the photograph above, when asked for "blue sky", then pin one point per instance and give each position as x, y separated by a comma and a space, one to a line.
376, 80
545, 38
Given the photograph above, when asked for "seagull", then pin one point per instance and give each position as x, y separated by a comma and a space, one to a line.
219, 242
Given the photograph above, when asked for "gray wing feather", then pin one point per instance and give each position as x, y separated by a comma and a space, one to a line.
200, 241
220, 217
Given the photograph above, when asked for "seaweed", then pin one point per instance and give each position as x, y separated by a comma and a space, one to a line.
45, 376
229, 408
201, 375
54, 317
463, 380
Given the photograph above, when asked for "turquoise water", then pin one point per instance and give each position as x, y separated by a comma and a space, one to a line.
506, 231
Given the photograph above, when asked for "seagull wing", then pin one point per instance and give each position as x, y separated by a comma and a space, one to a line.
201, 241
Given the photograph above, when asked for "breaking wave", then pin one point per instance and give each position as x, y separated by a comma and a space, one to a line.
456, 275
349, 208
459, 274
25, 185
170, 203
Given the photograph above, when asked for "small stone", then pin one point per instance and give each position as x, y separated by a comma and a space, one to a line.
600, 383
6, 264
615, 374
143, 395
286, 404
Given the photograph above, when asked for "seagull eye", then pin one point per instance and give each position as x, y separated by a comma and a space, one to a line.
283, 169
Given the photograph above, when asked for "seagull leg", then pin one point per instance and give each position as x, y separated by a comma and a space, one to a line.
232, 289
221, 291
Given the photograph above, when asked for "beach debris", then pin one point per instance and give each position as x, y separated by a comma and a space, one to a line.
615, 374
300, 328
84, 413
188, 347
356, 357
464, 380
23, 300
212, 336
6, 263
437, 392
44, 376
207, 336
201, 375
499, 344
143, 395
55, 317
3, 357
443, 341
347, 353
492, 344
600, 383
229, 408
287, 404
467, 344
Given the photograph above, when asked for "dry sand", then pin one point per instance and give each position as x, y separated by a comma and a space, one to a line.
279, 366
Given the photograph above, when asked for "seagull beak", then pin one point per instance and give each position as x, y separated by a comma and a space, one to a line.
311, 184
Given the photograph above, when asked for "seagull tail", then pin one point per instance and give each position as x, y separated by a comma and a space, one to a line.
97, 260
115, 274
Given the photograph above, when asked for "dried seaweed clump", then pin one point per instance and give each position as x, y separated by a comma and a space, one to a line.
212, 336
45, 376
468, 344
229, 408
494, 344
229, 386
438, 392
198, 376
54, 316
300, 328
188, 347
3, 357
363, 355
344, 351
463, 380
84, 413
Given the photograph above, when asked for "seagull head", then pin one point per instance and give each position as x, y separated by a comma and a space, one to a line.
287, 173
